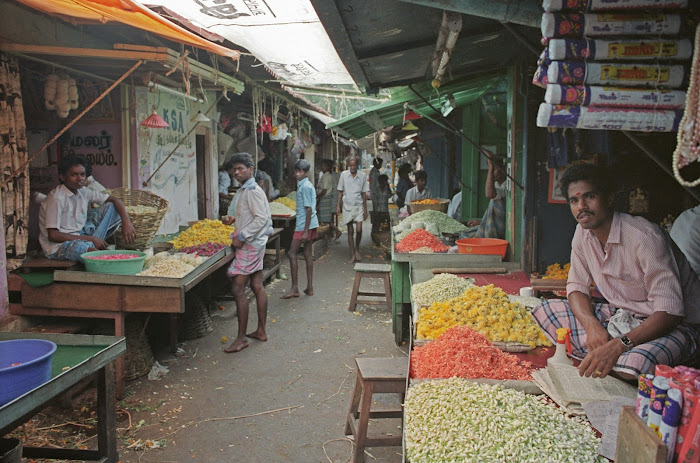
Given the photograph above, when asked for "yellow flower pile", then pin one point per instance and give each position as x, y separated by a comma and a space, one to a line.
204, 231
557, 272
290, 203
485, 309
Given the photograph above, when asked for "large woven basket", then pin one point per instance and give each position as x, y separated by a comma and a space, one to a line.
139, 359
441, 206
196, 321
145, 224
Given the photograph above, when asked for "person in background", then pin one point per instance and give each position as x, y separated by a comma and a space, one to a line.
374, 174
306, 230
420, 191
352, 201
454, 210
652, 311
225, 174
266, 167
493, 224
326, 197
90, 181
686, 233
253, 226
380, 203
404, 184
66, 231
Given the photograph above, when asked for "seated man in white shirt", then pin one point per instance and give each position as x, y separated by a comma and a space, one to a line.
66, 231
420, 191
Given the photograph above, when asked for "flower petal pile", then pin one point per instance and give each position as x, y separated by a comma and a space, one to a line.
463, 353
458, 420
486, 309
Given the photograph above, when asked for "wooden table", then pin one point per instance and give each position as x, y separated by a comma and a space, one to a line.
86, 356
287, 225
274, 246
95, 295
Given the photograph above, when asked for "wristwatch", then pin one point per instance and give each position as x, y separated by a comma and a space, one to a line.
627, 342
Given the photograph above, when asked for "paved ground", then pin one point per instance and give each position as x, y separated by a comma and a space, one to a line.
305, 370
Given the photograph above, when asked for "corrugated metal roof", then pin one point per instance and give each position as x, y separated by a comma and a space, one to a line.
377, 117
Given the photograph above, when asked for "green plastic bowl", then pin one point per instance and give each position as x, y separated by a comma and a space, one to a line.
114, 267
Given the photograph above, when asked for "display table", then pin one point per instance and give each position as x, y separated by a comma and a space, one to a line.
287, 224
84, 356
94, 295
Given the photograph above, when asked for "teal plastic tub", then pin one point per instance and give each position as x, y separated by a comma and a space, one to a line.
114, 267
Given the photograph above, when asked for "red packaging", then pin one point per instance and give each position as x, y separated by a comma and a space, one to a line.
688, 442
665, 371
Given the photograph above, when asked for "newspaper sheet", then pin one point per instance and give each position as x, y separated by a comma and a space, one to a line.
573, 388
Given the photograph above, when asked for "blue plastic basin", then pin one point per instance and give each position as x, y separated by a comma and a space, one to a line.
32, 360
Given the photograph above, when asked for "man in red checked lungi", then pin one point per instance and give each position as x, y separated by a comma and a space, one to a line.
652, 311
253, 226
305, 232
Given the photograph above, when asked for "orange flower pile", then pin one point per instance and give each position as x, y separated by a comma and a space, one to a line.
463, 353
427, 201
420, 239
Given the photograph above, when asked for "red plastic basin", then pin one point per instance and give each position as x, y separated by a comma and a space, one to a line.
490, 246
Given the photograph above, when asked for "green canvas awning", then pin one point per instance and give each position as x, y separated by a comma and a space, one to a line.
374, 119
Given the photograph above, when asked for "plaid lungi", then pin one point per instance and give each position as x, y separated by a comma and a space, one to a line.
326, 208
248, 260
493, 224
672, 349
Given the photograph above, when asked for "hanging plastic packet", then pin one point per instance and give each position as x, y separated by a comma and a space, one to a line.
659, 388
670, 420
644, 396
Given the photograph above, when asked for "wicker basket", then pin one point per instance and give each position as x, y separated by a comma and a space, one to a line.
139, 359
196, 321
441, 206
146, 225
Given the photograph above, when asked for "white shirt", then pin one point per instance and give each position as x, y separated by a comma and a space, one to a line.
224, 182
65, 211
686, 234
414, 195
353, 187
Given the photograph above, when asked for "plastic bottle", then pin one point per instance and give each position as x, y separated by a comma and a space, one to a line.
563, 344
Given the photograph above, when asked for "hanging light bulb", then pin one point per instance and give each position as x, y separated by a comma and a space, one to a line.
154, 121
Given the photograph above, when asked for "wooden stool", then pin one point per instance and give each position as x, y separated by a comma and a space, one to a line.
371, 271
374, 375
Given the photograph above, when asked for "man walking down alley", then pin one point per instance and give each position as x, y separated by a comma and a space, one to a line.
352, 203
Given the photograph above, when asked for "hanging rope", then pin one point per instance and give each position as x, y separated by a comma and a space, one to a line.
21, 168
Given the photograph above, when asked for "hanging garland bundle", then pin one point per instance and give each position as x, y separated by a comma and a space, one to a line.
688, 148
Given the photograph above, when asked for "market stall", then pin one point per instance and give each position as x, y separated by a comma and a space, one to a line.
417, 251
77, 357
84, 294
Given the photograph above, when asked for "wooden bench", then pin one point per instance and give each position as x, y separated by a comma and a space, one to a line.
374, 376
382, 271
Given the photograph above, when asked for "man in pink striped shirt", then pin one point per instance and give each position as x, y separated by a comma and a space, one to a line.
638, 269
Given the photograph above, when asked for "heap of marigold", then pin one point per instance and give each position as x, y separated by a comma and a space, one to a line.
557, 272
485, 309
204, 231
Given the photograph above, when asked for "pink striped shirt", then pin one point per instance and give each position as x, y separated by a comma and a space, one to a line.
636, 271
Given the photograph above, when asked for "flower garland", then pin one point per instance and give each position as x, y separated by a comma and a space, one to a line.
688, 147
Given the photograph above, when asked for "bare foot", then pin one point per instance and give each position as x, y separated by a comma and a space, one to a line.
351, 261
358, 258
258, 335
237, 346
289, 294
338, 234
309, 291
